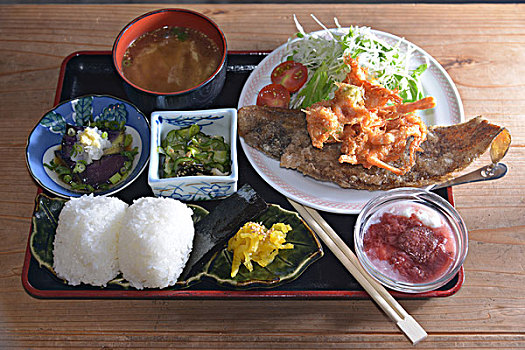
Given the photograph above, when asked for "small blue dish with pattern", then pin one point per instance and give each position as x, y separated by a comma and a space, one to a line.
47, 135
221, 122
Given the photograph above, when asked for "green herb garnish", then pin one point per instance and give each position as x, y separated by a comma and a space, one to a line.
181, 34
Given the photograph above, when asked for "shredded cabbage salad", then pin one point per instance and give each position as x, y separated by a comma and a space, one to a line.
323, 55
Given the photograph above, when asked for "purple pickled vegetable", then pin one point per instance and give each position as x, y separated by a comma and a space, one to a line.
101, 170
69, 139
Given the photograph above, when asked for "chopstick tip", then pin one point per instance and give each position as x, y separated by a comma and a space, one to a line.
412, 329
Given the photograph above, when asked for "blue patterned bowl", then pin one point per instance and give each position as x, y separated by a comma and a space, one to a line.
221, 122
47, 135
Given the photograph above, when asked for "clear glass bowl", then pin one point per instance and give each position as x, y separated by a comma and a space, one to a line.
396, 201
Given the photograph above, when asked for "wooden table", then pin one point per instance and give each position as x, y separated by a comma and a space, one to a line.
483, 49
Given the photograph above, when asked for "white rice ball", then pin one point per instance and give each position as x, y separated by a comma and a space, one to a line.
155, 242
85, 246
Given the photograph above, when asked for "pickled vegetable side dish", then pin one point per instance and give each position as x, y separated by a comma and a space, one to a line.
254, 242
94, 158
190, 152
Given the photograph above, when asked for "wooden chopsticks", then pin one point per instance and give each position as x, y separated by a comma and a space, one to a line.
386, 302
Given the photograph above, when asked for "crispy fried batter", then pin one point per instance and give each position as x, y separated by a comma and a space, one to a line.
375, 95
372, 133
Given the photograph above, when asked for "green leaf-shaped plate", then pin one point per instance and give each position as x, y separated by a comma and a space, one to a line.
287, 266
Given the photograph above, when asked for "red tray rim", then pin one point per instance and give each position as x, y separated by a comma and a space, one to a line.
203, 294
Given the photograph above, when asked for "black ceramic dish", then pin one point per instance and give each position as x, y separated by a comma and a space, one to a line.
327, 278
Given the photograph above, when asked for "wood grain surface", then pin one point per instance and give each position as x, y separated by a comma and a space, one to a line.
483, 49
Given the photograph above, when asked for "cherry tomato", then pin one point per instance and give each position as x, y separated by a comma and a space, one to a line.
290, 74
273, 95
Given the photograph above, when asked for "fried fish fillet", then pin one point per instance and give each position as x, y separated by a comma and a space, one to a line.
281, 134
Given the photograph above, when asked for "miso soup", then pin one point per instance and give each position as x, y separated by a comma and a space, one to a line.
171, 59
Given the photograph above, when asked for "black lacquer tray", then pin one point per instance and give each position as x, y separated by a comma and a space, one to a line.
92, 72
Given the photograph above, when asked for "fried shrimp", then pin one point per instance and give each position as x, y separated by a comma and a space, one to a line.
375, 95
323, 125
372, 124
406, 108
326, 119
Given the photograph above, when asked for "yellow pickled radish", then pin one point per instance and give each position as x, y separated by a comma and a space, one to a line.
254, 242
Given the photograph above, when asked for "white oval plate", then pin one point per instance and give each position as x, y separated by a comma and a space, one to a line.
326, 196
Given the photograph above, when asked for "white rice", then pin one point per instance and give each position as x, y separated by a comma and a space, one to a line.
155, 242
85, 246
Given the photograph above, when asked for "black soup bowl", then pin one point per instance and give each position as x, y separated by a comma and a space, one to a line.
198, 96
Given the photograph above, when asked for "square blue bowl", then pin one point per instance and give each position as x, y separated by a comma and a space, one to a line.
221, 122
